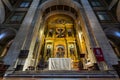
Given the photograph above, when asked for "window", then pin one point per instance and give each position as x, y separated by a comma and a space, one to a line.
73, 10
95, 3
53, 8
24, 4
60, 7
66, 8
103, 16
16, 17
47, 10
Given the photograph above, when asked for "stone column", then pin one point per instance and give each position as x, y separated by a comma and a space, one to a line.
7, 3
35, 35
88, 37
18, 43
99, 36
2, 12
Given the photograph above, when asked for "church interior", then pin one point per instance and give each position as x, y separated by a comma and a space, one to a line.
51, 37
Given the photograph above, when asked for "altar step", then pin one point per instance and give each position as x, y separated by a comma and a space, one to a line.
64, 74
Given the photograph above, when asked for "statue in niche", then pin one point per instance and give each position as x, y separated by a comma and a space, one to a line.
72, 51
48, 52
50, 34
69, 32
60, 53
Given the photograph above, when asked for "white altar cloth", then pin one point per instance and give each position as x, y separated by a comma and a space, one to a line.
60, 64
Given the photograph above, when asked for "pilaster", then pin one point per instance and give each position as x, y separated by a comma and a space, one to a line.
17, 45
99, 36
31, 39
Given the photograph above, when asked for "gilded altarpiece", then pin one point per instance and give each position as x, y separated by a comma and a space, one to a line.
60, 38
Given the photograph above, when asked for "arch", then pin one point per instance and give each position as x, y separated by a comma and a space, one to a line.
50, 3
56, 12
70, 3
80, 19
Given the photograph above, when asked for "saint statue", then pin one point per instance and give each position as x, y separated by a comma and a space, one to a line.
72, 51
50, 33
60, 53
48, 52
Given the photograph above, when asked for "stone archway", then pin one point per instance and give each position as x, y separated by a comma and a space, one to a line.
70, 3
77, 7
79, 21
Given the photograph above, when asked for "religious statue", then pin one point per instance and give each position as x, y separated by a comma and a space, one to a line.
60, 53
72, 51
48, 52
50, 34
69, 32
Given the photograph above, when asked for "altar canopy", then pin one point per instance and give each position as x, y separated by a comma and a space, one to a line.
60, 64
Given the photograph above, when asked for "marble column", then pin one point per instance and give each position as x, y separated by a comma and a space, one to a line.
8, 4
34, 37
17, 45
88, 37
99, 36
2, 12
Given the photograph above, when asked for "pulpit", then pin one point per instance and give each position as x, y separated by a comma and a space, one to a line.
60, 64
